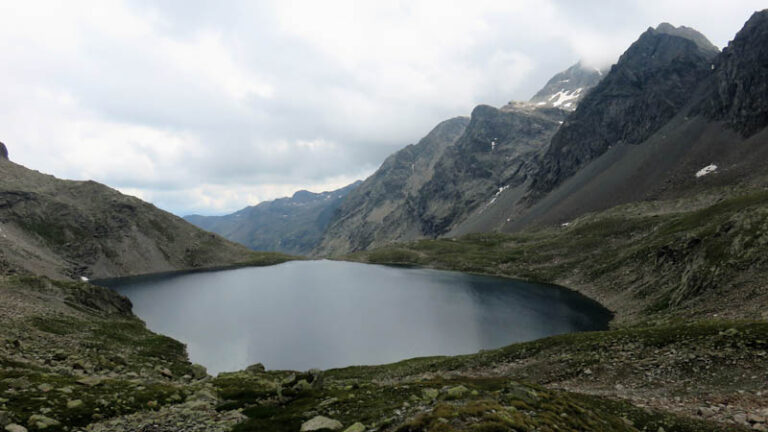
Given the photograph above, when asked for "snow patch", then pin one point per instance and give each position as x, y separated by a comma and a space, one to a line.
493, 199
501, 189
83, 278
493, 145
706, 170
565, 97
565, 224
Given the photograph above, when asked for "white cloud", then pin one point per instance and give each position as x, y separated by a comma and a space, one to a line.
203, 106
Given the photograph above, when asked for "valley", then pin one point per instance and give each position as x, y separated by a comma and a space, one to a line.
643, 187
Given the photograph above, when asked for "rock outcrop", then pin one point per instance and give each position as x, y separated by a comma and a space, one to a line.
738, 94
3, 151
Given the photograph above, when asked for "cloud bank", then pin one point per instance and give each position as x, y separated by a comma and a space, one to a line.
206, 107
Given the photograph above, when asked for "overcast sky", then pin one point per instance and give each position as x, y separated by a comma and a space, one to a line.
209, 106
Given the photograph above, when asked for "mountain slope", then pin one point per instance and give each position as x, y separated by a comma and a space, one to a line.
291, 225
494, 156
73, 229
740, 93
456, 171
721, 130
649, 84
381, 209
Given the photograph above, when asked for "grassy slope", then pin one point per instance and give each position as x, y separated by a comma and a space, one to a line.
645, 261
636, 377
68, 229
75, 353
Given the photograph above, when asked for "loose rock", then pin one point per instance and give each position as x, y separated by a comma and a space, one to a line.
320, 423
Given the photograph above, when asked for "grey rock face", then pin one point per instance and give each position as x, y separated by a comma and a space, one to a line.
425, 190
566, 89
382, 209
739, 93
651, 82
291, 225
3, 151
496, 151
71, 229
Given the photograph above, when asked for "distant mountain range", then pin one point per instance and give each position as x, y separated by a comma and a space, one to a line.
292, 225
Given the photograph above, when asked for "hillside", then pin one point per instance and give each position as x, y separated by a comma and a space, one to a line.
74, 229
292, 225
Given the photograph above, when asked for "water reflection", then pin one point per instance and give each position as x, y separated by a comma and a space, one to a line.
325, 314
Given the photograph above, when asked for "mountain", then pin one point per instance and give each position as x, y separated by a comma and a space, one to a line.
291, 225
566, 89
707, 136
649, 84
460, 168
382, 208
73, 229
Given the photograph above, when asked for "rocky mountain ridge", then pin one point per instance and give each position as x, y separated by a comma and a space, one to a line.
649, 84
82, 229
738, 94
290, 225
456, 170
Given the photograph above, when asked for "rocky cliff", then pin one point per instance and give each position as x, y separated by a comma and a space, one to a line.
3, 151
381, 209
291, 225
74, 229
648, 86
738, 94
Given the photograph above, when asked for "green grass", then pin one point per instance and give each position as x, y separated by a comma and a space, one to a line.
670, 264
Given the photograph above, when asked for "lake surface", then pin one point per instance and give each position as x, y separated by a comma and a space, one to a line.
323, 314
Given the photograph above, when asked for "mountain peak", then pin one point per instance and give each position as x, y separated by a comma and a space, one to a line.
3, 151
567, 88
687, 33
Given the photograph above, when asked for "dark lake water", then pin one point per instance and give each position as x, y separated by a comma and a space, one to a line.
323, 314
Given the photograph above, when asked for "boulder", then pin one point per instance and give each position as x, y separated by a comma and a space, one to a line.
357, 427
320, 423
456, 392
15, 428
199, 371
255, 368
40, 421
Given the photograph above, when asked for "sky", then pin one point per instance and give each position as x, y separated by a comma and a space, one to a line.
208, 106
